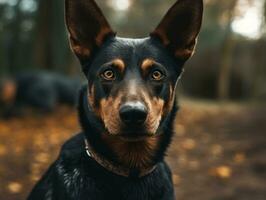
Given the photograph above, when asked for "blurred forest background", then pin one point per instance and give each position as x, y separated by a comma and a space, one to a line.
229, 63
219, 149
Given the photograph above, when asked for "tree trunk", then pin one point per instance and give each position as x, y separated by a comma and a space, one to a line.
227, 57
14, 40
42, 47
226, 69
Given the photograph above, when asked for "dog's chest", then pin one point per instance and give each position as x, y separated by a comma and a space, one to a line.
92, 183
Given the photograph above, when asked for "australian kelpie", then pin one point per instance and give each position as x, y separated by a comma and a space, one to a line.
127, 109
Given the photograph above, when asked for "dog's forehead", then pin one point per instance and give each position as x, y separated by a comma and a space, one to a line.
132, 54
132, 41
130, 50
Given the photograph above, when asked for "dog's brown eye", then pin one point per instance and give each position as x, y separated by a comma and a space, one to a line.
108, 75
157, 75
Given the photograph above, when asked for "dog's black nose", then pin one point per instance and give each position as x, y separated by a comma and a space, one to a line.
133, 113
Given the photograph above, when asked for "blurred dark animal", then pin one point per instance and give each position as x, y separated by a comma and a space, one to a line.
126, 111
41, 91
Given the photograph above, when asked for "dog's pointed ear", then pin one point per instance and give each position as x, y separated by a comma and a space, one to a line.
87, 27
180, 27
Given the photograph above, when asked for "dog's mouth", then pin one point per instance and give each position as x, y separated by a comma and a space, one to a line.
135, 134
132, 132
129, 138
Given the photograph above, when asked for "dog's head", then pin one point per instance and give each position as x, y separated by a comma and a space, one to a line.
131, 82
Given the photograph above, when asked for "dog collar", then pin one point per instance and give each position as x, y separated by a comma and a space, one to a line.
118, 170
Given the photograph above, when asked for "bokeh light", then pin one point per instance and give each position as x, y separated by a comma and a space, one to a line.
249, 22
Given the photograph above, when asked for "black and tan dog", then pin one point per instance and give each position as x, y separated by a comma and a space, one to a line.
127, 109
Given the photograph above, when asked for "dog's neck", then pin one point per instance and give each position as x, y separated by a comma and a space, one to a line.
140, 156
114, 168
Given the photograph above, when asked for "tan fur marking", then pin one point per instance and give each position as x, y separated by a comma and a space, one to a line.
80, 51
101, 35
184, 53
136, 154
90, 97
119, 64
147, 63
168, 106
155, 115
163, 37
109, 112
155, 107
187, 52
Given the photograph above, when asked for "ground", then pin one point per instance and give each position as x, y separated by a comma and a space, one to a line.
218, 152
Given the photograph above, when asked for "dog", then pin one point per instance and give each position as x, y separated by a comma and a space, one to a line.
126, 110
37, 90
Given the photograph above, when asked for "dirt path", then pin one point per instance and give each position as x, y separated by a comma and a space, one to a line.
218, 153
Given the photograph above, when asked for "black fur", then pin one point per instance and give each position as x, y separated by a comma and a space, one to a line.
93, 128
75, 175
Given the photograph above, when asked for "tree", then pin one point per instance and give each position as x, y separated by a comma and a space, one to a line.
51, 49
227, 54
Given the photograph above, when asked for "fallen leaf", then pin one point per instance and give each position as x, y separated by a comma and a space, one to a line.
14, 187
223, 172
